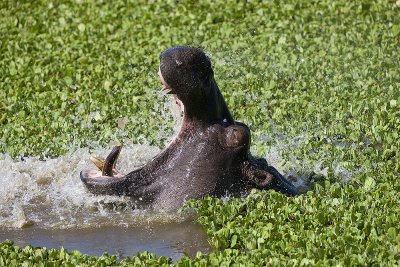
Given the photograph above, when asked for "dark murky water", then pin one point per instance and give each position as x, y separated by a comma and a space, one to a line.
171, 239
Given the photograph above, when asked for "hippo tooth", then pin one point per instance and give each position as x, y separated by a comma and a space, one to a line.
98, 162
109, 163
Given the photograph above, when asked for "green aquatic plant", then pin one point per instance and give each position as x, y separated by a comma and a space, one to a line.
316, 81
11, 255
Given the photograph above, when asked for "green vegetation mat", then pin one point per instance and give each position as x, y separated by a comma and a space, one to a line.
320, 80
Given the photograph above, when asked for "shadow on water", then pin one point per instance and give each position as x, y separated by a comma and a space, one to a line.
170, 239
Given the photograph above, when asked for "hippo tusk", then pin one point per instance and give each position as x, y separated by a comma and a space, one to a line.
107, 166
98, 162
109, 163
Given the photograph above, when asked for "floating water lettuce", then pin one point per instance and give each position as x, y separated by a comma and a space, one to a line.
318, 80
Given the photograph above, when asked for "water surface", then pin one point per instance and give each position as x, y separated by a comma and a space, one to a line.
44, 203
171, 239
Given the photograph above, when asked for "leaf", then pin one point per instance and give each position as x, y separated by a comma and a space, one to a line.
369, 183
233, 241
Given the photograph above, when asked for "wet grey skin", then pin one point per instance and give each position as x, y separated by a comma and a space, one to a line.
209, 156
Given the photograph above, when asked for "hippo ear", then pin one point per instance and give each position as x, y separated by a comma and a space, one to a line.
263, 176
256, 175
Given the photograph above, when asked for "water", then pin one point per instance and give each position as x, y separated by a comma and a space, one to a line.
44, 203
171, 239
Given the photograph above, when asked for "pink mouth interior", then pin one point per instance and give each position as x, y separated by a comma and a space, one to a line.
98, 174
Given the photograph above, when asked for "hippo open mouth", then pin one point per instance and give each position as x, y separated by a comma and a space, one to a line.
101, 181
210, 154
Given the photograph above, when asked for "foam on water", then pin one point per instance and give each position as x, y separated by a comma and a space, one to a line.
50, 194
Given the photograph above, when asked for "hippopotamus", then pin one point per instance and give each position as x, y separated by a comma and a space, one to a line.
210, 155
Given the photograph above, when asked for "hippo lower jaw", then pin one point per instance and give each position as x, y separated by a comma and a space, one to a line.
106, 180
105, 185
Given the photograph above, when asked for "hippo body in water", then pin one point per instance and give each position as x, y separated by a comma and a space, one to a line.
209, 156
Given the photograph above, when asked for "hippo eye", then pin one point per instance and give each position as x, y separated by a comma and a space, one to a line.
235, 136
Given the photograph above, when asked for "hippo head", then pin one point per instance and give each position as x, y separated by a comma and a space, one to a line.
210, 154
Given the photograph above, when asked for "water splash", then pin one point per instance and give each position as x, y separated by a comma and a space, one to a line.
299, 171
50, 194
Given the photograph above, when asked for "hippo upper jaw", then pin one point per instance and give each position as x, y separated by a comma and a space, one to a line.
187, 73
